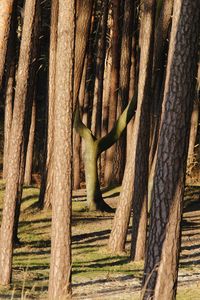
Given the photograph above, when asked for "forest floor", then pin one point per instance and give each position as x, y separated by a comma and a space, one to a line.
97, 274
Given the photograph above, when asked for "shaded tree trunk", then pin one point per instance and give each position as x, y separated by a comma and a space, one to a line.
61, 263
16, 136
163, 247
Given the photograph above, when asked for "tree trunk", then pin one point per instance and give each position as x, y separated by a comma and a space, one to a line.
29, 154
8, 116
46, 188
100, 63
6, 7
61, 264
162, 256
114, 85
16, 136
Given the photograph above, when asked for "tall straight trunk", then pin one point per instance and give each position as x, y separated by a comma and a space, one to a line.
61, 264
100, 63
29, 154
125, 66
83, 23
16, 136
162, 30
134, 185
114, 84
6, 8
46, 188
163, 247
8, 115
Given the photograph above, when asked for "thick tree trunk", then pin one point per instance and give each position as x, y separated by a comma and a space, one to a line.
29, 154
61, 263
6, 7
162, 256
16, 136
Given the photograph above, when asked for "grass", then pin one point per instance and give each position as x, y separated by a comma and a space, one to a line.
93, 266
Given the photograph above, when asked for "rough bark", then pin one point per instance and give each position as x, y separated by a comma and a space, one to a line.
6, 8
162, 256
60, 264
16, 136
8, 115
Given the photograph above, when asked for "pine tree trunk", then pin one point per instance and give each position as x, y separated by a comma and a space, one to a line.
6, 8
29, 154
61, 264
114, 85
163, 247
8, 116
16, 136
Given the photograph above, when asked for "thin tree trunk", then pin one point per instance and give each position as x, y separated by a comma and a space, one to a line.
114, 85
8, 116
6, 234
6, 8
163, 247
61, 264
134, 185
29, 154
100, 63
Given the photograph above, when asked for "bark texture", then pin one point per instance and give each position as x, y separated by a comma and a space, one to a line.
6, 8
60, 264
162, 256
16, 137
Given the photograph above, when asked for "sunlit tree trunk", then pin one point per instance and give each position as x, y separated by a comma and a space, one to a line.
61, 263
163, 247
16, 136
29, 154
6, 8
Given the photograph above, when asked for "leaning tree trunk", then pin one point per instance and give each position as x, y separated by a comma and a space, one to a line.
162, 255
6, 7
16, 136
61, 263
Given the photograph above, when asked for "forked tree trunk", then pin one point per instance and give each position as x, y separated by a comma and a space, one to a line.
6, 8
163, 247
16, 136
61, 263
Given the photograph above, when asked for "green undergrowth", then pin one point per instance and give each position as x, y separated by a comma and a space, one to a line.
91, 260
90, 232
